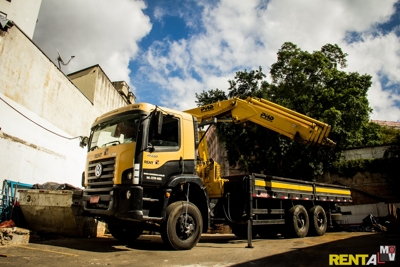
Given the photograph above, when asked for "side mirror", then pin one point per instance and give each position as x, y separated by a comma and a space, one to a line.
84, 141
150, 148
157, 121
83, 179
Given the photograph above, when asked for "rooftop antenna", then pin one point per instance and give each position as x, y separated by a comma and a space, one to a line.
60, 60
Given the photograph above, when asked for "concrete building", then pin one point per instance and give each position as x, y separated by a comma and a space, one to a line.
43, 111
21, 12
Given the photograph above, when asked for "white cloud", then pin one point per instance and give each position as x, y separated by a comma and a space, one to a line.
379, 56
94, 31
242, 35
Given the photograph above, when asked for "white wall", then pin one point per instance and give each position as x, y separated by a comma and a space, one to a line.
365, 153
31, 154
24, 13
359, 212
33, 85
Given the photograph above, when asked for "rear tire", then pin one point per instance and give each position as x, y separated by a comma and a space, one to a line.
297, 221
318, 221
125, 233
175, 233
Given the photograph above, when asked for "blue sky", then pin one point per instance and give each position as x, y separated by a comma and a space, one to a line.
169, 50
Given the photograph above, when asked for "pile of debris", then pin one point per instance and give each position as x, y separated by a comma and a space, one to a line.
12, 235
371, 224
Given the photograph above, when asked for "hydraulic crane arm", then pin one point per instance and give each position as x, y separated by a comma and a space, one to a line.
292, 124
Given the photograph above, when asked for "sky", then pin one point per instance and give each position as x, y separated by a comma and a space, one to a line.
168, 50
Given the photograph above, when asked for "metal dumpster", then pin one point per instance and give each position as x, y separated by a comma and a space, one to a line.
57, 211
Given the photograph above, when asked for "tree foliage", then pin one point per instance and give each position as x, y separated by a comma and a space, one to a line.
312, 84
394, 151
389, 135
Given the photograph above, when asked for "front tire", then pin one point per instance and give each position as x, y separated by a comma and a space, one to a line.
181, 230
298, 222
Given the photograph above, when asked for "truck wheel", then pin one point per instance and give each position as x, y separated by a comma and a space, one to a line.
124, 233
182, 230
318, 220
297, 221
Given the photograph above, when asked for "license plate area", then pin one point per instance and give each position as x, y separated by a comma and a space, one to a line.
94, 199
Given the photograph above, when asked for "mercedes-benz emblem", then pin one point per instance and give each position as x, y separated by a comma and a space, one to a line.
98, 170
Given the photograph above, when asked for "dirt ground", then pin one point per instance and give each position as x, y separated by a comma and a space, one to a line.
212, 250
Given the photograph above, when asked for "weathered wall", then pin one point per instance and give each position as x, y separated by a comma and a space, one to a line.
33, 85
366, 187
365, 153
85, 81
106, 97
31, 154
356, 213
98, 88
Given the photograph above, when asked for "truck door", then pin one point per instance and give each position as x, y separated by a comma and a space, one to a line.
163, 158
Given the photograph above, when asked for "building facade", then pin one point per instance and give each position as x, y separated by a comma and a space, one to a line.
44, 112
21, 12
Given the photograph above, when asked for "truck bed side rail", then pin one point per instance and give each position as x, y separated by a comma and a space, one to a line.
266, 186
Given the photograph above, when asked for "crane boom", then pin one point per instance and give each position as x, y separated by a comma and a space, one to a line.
290, 123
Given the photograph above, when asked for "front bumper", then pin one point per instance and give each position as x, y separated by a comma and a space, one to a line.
125, 202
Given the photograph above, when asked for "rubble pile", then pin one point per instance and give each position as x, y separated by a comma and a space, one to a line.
12, 235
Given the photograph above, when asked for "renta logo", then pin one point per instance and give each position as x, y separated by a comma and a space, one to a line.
385, 254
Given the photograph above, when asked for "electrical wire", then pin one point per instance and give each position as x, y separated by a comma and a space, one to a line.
69, 138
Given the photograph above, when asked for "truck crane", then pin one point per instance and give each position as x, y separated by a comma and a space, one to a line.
148, 168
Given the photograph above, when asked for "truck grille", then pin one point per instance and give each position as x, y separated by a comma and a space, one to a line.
107, 177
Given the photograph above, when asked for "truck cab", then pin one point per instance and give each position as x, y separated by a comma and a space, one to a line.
140, 159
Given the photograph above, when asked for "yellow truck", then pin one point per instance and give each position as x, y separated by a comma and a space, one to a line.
148, 169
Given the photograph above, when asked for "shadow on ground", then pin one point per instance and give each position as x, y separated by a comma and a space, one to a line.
299, 254
319, 255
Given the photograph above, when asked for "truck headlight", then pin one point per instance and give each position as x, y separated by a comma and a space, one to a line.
127, 176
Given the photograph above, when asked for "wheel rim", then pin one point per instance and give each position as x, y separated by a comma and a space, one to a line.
185, 226
301, 220
320, 220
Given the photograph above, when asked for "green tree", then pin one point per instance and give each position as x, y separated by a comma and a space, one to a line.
389, 135
394, 151
312, 84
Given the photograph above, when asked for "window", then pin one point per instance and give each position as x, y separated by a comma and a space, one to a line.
120, 130
169, 136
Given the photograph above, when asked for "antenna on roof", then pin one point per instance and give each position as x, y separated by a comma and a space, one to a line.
60, 60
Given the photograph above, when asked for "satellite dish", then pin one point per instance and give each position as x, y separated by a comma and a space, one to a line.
59, 57
60, 60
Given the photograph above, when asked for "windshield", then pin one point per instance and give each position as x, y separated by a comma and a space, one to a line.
116, 131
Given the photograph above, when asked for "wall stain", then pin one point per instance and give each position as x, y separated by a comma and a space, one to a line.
46, 82
1, 48
18, 140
